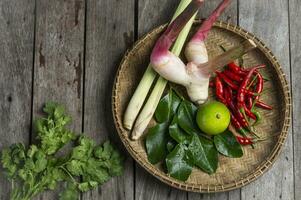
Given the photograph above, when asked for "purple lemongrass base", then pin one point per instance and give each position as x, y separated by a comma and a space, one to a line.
206, 26
164, 43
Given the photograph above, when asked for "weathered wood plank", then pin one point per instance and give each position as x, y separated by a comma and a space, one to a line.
295, 38
269, 21
16, 62
150, 188
59, 52
230, 14
109, 32
152, 13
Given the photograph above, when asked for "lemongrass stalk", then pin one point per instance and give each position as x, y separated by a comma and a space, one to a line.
148, 110
138, 97
148, 78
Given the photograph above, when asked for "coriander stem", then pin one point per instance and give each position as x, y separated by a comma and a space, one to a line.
67, 172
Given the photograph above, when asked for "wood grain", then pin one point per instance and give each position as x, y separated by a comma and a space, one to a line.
269, 21
59, 50
152, 13
230, 14
295, 38
16, 62
63, 55
109, 32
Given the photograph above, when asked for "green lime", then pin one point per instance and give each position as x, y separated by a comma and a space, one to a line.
213, 117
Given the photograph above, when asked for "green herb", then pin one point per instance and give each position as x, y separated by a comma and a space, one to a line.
157, 136
156, 140
52, 130
177, 163
167, 107
70, 192
170, 145
176, 132
203, 154
178, 140
227, 145
186, 117
39, 168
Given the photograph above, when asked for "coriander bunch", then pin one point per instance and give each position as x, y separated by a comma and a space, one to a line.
38, 168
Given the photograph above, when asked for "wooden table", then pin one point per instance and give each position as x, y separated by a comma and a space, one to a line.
69, 50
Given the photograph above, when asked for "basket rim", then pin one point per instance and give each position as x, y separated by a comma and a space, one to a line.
261, 168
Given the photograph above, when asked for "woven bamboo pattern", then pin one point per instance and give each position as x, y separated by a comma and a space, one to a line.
232, 173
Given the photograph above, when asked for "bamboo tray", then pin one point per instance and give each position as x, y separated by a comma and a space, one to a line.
231, 173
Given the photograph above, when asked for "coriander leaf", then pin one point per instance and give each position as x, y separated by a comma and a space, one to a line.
18, 153
32, 150
70, 193
177, 163
227, 145
114, 165
155, 143
39, 168
85, 148
75, 167
8, 163
52, 130
98, 151
167, 107
57, 173
99, 175
55, 110
107, 150
84, 187
40, 161
12, 158
203, 154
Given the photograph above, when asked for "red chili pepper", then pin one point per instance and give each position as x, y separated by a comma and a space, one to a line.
244, 140
232, 84
233, 76
237, 125
226, 97
236, 69
219, 90
237, 119
235, 122
241, 91
263, 105
252, 83
259, 85
228, 94
219, 87
249, 102
227, 80
242, 120
248, 112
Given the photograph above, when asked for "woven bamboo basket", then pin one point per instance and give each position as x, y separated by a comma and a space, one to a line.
231, 173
